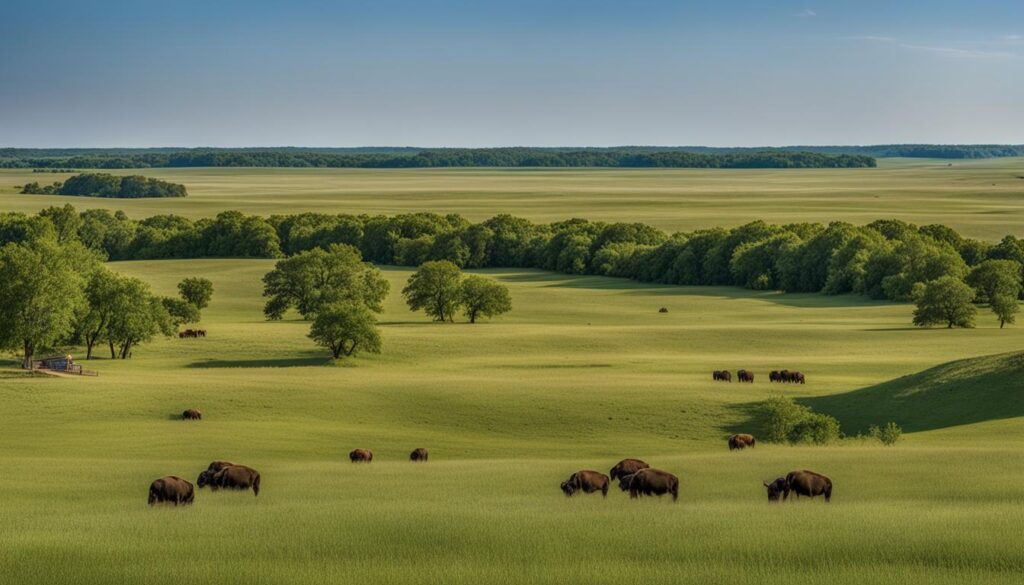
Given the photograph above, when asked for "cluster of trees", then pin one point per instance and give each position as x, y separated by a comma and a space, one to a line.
112, 186
885, 259
56, 292
442, 157
785, 421
439, 289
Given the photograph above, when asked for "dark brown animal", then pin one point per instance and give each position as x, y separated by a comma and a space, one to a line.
807, 483
218, 465
627, 467
206, 476
653, 482
418, 455
232, 477
745, 376
361, 456
741, 441
586, 481
171, 489
192, 414
775, 376
624, 482
721, 376
775, 489
663, 310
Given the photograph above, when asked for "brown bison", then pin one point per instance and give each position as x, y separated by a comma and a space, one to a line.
741, 441
775, 376
586, 481
417, 455
627, 467
171, 489
361, 456
745, 376
721, 376
218, 465
653, 482
232, 477
192, 414
802, 483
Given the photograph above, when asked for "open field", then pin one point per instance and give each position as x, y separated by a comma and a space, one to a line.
980, 198
583, 372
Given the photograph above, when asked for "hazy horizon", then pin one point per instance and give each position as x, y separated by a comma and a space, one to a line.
453, 73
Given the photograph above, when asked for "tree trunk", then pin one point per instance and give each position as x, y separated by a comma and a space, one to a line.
472, 315
1001, 323
29, 350
113, 355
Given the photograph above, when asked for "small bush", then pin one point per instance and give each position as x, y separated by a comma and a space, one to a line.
816, 429
887, 435
787, 421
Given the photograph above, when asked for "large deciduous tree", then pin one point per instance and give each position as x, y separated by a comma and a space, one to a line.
435, 289
998, 283
346, 328
139, 317
316, 278
482, 296
196, 291
944, 301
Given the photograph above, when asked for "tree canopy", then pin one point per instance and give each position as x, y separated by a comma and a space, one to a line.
316, 278
346, 328
197, 291
481, 296
435, 289
944, 301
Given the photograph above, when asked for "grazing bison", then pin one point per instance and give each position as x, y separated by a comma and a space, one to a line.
232, 477
775, 376
721, 376
663, 310
653, 482
627, 467
206, 476
745, 376
798, 378
192, 414
416, 455
361, 456
218, 465
586, 481
802, 483
741, 441
171, 489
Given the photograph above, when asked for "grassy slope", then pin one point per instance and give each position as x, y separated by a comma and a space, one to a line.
982, 198
583, 372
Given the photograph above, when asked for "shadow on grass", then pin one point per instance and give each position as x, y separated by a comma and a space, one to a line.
292, 362
956, 393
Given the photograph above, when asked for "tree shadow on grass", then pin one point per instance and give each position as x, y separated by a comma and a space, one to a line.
956, 393
292, 362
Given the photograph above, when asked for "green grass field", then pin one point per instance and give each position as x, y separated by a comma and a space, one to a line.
981, 198
583, 372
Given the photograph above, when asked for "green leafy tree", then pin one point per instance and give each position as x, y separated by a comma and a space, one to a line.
482, 296
1005, 306
181, 311
41, 290
435, 289
315, 278
946, 300
139, 318
998, 282
346, 327
196, 291
103, 299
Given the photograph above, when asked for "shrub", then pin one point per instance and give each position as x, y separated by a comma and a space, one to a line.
787, 421
887, 435
815, 428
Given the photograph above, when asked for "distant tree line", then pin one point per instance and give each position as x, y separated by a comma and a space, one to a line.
112, 186
448, 157
885, 259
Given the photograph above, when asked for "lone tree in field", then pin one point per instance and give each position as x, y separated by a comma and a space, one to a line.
944, 301
435, 289
346, 327
482, 296
316, 278
998, 283
41, 290
196, 291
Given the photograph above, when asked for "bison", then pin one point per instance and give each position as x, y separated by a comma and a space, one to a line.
171, 489
232, 477
802, 483
721, 376
745, 376
741, 441
627, 467
775, 376
586, 481
192, 414
417, 455
653, 482
361, 456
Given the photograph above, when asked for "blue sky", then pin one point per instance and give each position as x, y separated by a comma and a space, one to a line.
460, 73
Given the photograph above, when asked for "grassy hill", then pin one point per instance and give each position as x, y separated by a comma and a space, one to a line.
583, 372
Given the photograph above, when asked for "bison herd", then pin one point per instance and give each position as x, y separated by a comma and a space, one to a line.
782, 376
192, 333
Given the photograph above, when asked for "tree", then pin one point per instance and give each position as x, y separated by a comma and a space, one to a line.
315, 278
41, 291
103, 296
999, 283
483, 296
944, 300
1005, 307
346, 327
196, 291
435, 289
139, 317
180, 311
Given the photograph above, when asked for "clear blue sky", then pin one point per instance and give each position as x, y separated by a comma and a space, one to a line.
478, 73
